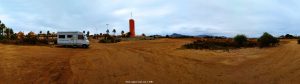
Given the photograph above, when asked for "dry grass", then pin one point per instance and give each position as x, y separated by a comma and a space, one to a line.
161, 61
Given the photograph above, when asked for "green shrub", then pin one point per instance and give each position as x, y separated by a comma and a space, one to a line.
267, 40
14, 37
2, 37
240, 40
299, 41
30, 40
110, 39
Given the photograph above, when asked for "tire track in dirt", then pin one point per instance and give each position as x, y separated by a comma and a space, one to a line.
172, 65
273, 67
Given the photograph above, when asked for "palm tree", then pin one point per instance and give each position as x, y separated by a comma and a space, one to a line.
88, 33
114, 31
122, 33
11, 31
100, 35
143, 35
7, 32
39, 34
48, 33
107, 32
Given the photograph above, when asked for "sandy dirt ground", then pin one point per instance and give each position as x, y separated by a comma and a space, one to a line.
158, 61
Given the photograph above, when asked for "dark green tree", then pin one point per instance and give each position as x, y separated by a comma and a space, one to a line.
267, 40
240, 39
107, 31
167, 36
122, 33
8, 32
14, 36
143, 34
128, 34
288, 36
88, 33
11, 31
47, 35
2, 27
114, 31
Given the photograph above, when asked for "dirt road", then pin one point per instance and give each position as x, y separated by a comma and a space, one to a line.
159, 61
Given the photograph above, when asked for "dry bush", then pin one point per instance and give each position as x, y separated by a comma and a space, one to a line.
218, 44
30, 38
110, 39
20, 36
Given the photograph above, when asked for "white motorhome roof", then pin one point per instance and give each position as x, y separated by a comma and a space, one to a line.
70, 32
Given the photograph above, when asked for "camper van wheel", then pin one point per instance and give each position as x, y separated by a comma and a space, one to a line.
84, 46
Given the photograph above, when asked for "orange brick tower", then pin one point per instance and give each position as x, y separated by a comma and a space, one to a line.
132, 28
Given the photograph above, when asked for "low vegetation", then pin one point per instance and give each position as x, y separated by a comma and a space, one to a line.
238, 41
288, 36
210, 44
110, 39
107, 38
267, 40
220, 44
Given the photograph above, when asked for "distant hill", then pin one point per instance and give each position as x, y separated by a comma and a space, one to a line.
175, 35
202, 36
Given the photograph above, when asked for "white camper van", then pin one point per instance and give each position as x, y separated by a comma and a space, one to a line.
72, 38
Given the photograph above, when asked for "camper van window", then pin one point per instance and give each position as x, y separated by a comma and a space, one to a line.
80, 37
69, 36
61, 36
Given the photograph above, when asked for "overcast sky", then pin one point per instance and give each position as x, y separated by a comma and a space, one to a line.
193, 17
